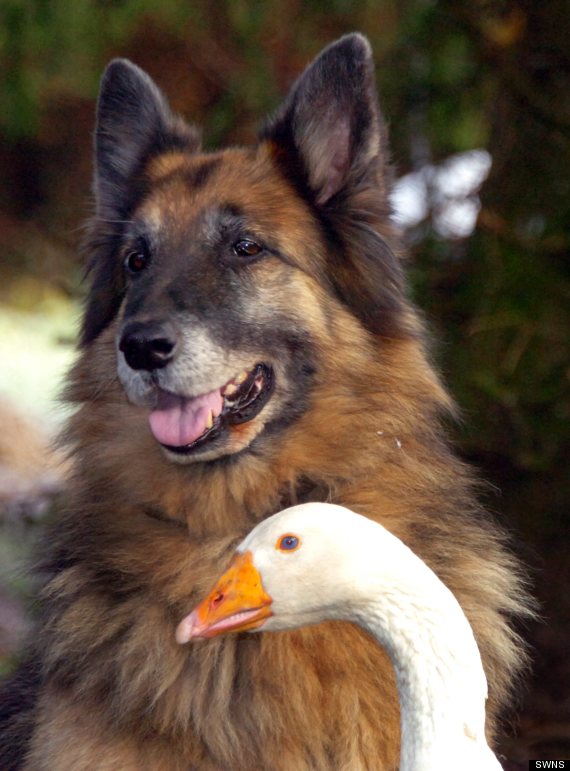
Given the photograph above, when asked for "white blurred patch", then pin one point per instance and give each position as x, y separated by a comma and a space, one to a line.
445, 193
37, 351
410, 199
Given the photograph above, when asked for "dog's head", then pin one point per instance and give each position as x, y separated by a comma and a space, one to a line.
225, 273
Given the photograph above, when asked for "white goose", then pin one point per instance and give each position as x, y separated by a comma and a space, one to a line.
319, 561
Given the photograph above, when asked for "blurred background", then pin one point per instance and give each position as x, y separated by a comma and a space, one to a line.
477, 98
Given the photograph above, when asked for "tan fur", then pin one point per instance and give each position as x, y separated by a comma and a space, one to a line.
120, 693
167, 163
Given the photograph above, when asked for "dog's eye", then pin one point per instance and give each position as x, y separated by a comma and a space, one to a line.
245, 247
136, 261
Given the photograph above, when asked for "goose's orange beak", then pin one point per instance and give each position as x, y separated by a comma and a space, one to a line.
237, 603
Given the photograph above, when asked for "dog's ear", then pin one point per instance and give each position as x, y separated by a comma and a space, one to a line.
329, 129
330, 140
134, 122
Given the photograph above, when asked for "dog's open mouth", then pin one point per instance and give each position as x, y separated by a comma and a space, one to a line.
183, 424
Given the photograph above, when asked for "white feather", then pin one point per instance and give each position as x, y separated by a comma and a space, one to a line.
349, 567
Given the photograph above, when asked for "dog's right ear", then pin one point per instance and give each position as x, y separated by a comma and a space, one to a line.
134, 123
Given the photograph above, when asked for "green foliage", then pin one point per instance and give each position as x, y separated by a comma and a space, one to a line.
55, 48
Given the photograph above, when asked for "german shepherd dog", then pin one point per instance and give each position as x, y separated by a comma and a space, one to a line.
247, 344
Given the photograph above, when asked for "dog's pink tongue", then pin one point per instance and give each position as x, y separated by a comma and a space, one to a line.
177, 421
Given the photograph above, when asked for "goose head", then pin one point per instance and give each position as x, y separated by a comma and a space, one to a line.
301, 566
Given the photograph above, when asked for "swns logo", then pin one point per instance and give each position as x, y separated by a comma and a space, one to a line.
532, 764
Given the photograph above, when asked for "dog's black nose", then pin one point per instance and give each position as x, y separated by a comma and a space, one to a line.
148, 345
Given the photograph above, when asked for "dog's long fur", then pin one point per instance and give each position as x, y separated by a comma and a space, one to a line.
355, 417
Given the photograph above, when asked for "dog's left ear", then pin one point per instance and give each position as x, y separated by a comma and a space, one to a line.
331, 121
329, 139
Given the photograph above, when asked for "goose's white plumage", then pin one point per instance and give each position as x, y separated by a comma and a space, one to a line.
351, 568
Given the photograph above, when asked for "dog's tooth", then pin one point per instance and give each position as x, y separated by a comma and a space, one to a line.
241, 377
230, 389
210, 420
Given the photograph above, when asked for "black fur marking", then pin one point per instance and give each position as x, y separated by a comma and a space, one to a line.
198, 177
366, 275
17, 706
194, 178
104, 300
231, 215
157, 514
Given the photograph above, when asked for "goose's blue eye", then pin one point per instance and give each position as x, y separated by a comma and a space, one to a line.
288, 543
